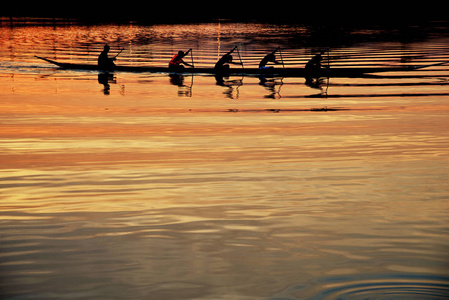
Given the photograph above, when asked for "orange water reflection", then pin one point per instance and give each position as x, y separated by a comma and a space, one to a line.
142, 192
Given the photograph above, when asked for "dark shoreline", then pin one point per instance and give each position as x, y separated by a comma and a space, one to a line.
307, 13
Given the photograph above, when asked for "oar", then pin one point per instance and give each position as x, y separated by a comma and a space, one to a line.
280, 54
191, 56
431, 65
238, 52
61, 65
119, 53
47, 60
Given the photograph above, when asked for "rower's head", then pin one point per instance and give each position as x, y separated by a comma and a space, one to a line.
271, 57
181, 54
228, 58
106, 48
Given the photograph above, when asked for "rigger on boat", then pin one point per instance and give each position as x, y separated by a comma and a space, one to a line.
312, 69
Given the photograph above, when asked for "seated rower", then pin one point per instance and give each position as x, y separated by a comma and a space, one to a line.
104, 62
222, 65
271, 57
313, 66
177, 60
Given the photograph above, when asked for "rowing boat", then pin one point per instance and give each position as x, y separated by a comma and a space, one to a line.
284, 72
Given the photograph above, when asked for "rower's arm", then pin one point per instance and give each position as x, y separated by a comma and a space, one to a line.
232, 50
187, 64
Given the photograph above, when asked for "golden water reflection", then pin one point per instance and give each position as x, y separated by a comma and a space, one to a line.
135, 192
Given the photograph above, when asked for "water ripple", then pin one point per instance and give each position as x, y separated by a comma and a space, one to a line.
249, 190
392, 287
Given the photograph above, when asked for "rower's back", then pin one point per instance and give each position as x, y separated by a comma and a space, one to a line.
104, 62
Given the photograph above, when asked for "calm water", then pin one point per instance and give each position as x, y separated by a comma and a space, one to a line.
146, 186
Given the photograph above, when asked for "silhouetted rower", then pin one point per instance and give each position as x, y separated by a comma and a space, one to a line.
313, 66
104, 62
222, 65
271, 57
176, 62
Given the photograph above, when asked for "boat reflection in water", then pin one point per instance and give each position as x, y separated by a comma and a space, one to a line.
273, 85
178, 80
232, 86
105, 79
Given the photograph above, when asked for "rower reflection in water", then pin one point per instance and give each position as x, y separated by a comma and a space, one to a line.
270, 85
231, 85
315, 83
183, 90
105, 79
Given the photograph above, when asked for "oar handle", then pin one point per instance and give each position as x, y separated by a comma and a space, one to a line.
119, 52
238, 52
191, 57
280, 54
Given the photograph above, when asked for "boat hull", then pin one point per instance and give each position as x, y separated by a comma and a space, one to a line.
284, 72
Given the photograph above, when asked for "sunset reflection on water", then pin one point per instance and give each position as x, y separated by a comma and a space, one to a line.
149, 189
